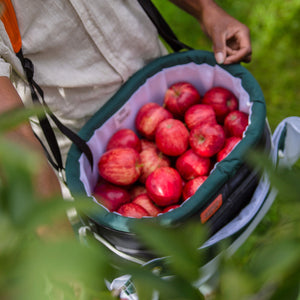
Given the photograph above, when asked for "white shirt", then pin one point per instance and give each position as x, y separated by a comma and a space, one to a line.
82, 53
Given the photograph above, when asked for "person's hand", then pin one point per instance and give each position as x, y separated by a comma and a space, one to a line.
230, 38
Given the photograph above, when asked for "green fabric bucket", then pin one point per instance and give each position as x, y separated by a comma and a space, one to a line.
148, 85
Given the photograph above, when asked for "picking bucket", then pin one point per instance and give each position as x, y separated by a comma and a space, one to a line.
231, 183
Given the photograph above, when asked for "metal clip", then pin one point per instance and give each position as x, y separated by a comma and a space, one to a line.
62, 176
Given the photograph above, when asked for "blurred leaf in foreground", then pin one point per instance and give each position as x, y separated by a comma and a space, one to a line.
12, 118
273, 266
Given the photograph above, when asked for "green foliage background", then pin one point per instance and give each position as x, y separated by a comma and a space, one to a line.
267, 266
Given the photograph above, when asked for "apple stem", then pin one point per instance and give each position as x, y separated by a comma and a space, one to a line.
201, 139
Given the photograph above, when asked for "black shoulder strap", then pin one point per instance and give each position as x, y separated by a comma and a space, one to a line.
162, 26
38, 97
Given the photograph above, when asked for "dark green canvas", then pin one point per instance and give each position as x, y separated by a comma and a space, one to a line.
220, 175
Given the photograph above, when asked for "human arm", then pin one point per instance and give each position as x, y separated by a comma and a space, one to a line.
45, 181
230, 38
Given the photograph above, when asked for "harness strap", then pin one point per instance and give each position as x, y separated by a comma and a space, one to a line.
162, 26
56, 162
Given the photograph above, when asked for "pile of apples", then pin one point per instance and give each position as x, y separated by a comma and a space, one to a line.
163, 162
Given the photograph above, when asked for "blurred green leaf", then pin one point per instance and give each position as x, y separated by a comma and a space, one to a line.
179, 244
17, 167
172, 287
235, 284
285, 180
12, 118
14, 158
46, 212
61, 265
275, 259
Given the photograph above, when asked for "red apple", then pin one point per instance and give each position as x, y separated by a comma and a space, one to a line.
235, 123
222, 100
147, 144
148, 117
132, 210
124, 138
172, 137
228, 146
137, 189
207, 139
179, 97
170, 207
191, 165
144, 201
198, 114
151, 159
192, 186
120, 166
164, 186
111, 196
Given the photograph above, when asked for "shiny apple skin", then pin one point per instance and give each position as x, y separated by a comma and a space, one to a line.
172, 137
192, 186
111, 196
124, 138
132, 210
164, 186
235, 123
148, 118
222, 100
120, 166
179, 97
207, 139
191, 165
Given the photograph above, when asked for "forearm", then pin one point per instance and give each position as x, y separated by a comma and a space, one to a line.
9, 97
196, 8
9, 100
230, 38
206, 12
46, 183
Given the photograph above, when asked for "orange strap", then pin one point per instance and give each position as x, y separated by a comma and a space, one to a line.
8, 17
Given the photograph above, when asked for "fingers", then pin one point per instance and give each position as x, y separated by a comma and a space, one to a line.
232, 44
234, 54
230, 38
241, 55
220, 57
238, 46
219, 48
